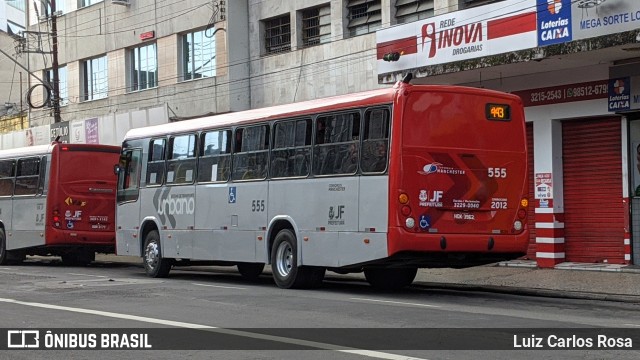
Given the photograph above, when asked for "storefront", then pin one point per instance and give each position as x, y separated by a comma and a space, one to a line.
574, 68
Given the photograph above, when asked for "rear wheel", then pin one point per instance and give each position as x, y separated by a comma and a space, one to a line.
154, 264
390, 278
284, 264
3, 248
6, 256
250, 271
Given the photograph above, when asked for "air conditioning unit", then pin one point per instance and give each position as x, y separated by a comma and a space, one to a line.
121, 2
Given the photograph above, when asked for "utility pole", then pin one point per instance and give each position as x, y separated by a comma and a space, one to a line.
55, 97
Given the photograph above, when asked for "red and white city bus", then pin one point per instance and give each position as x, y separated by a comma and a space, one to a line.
384, 182
57, 199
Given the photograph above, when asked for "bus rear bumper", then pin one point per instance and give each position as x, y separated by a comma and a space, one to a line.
56, 237
461, 249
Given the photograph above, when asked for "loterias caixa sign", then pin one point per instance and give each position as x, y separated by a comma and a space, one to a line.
502, 27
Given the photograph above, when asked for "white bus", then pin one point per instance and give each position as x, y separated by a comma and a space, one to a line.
382, 182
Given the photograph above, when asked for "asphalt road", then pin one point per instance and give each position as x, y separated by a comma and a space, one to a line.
345, 319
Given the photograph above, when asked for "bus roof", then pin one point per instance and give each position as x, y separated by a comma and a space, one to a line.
26, 151
380, 96
46, 149
368, 98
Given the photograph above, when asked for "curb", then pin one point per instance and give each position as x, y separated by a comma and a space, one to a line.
509, 290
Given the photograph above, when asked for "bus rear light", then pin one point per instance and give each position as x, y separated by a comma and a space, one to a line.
524, 203
410, 223
517, 225
56, 218
403, 198
522, 213
406, 210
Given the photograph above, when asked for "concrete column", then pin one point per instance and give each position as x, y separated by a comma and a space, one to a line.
548, 203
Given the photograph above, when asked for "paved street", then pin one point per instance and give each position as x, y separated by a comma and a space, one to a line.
41, 294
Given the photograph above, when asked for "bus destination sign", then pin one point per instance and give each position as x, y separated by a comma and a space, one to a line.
500, 112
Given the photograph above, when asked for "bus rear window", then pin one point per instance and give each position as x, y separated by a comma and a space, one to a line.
451, 120
87, 165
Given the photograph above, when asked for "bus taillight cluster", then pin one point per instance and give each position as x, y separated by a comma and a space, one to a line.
56, 218
522, 214
409, 222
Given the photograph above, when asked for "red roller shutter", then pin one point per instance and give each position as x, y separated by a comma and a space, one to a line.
592, 170
531, 251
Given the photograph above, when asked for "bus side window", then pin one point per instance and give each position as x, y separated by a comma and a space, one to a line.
155, 165
375, 142
42, 182
27, 176
215, 156
181, 164
292, 149
337, 146
128, 180
7, 172
251, 152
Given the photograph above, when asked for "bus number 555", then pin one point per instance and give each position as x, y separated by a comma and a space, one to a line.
257, 205
497, 172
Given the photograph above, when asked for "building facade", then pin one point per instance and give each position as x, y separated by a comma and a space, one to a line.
575, 65
134, 63
12, 79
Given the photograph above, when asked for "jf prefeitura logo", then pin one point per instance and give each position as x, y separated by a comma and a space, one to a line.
33, 339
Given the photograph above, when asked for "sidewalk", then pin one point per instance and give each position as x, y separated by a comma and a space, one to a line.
568, 280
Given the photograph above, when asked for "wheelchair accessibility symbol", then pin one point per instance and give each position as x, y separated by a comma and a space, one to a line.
425, 222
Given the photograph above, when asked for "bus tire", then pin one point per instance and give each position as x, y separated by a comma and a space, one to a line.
250, 271
390, 278
6, 256
3, 248
284, 264
154, 264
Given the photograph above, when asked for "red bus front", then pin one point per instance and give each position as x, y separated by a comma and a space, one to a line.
458, 177
81, 197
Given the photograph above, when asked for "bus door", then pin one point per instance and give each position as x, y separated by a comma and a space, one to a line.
463, 165
175, 203
247, 203
128, 208
85, 193
29, 204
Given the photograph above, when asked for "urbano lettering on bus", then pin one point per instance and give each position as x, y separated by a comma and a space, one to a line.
178, 205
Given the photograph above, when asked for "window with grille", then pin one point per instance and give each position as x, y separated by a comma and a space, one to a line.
364, 16
413, 10
316, 26
277, 34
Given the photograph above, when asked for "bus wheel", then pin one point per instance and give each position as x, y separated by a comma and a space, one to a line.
6, 256
390, 278
284, 264
250, 271
78, 258
154, 265
3, 248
